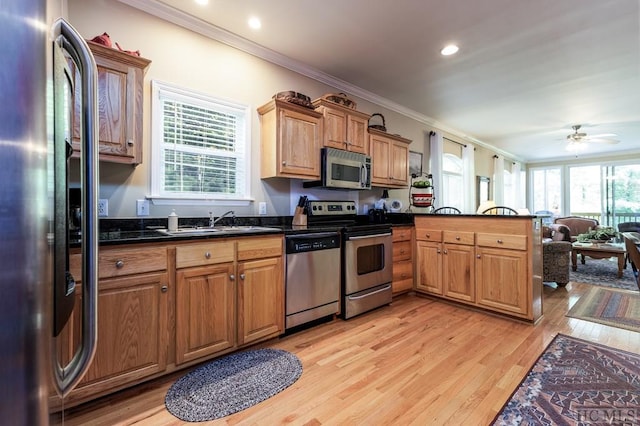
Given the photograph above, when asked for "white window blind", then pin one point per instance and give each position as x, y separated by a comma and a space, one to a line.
199, 145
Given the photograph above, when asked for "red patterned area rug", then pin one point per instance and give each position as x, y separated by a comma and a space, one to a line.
575, 382
608, 306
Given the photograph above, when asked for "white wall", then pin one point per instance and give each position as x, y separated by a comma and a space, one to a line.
190, 60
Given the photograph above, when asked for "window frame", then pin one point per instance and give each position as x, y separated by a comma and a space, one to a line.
158, 195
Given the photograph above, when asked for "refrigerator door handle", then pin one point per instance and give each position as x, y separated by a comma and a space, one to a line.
67, 377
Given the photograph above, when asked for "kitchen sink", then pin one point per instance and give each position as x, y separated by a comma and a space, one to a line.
218, 230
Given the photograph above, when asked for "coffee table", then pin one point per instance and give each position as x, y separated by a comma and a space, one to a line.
598, 251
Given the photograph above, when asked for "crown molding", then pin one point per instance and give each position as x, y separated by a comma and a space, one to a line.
192, 23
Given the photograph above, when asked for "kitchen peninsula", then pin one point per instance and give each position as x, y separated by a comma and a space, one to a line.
484, 261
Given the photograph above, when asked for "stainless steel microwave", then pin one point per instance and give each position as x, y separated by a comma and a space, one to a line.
345, 169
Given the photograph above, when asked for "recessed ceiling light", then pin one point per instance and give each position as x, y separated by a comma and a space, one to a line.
255, 23
449, 50
202, 2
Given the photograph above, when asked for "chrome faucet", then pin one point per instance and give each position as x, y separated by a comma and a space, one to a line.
212, 221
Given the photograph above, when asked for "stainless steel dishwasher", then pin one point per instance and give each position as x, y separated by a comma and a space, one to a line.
313, 277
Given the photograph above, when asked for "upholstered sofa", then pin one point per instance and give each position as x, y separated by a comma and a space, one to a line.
577, 225
556, 254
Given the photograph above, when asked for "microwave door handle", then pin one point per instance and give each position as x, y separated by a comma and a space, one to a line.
66, 377
364, 174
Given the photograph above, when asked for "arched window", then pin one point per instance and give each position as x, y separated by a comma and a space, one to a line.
452, 183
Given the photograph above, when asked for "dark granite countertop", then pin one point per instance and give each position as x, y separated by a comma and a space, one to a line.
145, 230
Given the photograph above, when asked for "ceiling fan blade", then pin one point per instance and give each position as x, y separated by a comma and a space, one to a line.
601, 140
602, 135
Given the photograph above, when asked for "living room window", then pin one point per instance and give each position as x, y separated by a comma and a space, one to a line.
199, 146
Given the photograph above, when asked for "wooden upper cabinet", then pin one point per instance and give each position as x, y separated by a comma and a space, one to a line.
291, 138
344, 128
389, 158
120, 99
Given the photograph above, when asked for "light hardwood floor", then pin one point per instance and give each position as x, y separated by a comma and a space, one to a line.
418, 361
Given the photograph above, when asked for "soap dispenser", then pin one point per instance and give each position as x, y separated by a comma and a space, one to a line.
173, 221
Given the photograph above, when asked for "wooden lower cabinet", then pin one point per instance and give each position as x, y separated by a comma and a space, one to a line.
429, 267
201, 299
260, 281
133, 318
491, 263
205, 311
229, 293
402, 259
458, 272
501, 280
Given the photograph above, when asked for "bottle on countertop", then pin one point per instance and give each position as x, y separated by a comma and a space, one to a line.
173, 221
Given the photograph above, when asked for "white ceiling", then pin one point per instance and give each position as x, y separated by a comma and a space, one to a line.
525, 73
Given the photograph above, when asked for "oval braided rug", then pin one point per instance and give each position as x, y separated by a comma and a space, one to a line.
231, 384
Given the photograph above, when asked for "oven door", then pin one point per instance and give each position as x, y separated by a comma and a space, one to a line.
367, 261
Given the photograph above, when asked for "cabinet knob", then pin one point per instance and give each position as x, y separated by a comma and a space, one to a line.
445, 252
403, 275
478, 256
457, 238
164, 288
401, 251
232, 277
499, 241
207, 255
242, 276
428, 235
284, 163
119, 263
438, 251
130, 142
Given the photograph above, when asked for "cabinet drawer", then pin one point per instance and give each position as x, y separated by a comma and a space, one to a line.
204, 254
401, 250
257, 248
402, 271
402, 234
514, 242
457, 237
115, 263
424, 234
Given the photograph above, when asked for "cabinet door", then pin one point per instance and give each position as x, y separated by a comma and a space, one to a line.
120, 93
380, 155
501, 280
399, 163
357, 134
205, 313
429, 272
260, 299
299, 144
458, 272
132, 331
335, 128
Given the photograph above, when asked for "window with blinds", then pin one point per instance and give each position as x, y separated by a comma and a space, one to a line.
199, 146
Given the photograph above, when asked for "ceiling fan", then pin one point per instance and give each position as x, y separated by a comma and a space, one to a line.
578, 137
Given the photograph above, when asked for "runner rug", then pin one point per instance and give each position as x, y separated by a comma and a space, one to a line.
576, 382
231, 384
617, 308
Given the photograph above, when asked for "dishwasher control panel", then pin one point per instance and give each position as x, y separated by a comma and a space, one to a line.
312, 242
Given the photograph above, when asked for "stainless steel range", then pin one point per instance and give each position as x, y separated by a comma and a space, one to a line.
366, 266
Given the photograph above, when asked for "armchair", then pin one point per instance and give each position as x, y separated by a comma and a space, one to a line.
556, 254
577, 225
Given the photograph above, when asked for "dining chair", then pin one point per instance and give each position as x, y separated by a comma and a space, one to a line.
633, 251
447, 210
501, 210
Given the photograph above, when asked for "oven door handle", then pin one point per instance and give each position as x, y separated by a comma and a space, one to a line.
312, 235
380, 290
363, 237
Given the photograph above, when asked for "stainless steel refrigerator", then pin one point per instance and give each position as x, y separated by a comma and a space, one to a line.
38, 86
